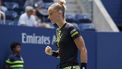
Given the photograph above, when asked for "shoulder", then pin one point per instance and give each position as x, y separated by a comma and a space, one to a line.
24, 15
11, 57
73, 30
68, 26
71, 27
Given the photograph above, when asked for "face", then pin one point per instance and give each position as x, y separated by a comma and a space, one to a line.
54, 15
29, 13
18, 49
34, 12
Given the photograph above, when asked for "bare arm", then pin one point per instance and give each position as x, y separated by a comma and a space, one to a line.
49, 51
81, 46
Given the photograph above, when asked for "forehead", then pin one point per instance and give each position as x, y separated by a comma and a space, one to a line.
52, 10
18, 46
52, 7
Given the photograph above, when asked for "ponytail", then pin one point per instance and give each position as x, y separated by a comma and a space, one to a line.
63, 6
62, 2
60, 6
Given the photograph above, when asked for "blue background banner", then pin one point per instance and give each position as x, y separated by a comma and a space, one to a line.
109, 51
34, 41
104, 49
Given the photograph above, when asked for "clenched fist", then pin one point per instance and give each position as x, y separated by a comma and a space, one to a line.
48, 50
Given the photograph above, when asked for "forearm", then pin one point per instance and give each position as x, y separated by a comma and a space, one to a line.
81, 46
83, 55
83, 52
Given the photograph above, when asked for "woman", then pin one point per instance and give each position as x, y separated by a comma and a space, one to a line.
68, 40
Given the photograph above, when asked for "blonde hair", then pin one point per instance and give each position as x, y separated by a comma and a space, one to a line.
59, 5
61, 2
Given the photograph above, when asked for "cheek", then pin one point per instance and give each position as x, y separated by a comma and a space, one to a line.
19, 49
53, 17
56, 17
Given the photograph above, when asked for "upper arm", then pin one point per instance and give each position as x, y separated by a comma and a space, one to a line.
22, 20
74, 32
78, 39
80, 42
9, 61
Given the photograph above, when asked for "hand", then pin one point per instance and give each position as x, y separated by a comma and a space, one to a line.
48, 50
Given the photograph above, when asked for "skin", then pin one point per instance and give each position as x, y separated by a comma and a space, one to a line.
29, 13
15, 51
57, 17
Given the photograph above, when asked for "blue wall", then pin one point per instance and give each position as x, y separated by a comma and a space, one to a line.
33, 53
109, 49
104, 49
114, 9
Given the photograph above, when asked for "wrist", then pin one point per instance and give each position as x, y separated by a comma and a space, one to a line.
55, 54
83, 65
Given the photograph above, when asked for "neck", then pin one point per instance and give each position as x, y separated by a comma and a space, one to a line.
61, 23
28, 15
16, 53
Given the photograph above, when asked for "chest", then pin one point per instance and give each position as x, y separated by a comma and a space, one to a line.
63, 38
18, 59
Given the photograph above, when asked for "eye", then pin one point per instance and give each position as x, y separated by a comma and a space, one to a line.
50, 13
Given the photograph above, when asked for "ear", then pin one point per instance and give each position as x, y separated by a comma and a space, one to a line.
60, 11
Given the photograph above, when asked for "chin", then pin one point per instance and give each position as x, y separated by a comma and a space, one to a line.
52, 22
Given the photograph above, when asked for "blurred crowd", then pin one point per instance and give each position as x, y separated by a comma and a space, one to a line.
25, 13
33, 13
